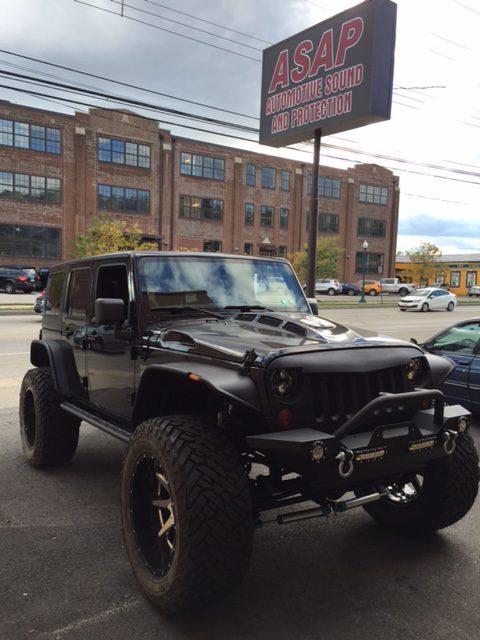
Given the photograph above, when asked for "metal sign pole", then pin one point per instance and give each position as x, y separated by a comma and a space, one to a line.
313, 224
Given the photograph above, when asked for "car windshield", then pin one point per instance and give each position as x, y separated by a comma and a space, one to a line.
421, 292
218, 283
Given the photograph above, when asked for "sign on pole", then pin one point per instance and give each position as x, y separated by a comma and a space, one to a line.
334, 76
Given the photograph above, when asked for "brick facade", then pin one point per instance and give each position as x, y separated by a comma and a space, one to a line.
81, 171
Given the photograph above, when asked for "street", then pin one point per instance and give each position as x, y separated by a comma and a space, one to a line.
64, 572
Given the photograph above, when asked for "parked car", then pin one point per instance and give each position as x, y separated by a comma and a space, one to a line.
461, 343
428, 299
474, 291
329, 286
15, 279
350, 289
31, 274
39, 303
372, 287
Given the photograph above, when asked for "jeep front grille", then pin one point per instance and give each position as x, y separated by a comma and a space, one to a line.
338, 396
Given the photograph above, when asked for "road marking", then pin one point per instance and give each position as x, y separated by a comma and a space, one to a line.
102, 616
16, 353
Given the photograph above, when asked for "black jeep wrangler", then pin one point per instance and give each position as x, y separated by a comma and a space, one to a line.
235, 399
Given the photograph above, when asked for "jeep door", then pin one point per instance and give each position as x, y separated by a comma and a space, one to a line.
74, 316
110, 367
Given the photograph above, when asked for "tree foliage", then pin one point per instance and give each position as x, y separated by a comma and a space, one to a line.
424, 262
107, 236
326, 263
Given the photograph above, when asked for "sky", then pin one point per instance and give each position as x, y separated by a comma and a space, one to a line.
204, 58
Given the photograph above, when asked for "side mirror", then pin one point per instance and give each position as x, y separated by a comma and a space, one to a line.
313, 305
414, 341
109, 311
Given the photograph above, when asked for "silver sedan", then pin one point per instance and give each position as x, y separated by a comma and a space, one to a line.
428, 299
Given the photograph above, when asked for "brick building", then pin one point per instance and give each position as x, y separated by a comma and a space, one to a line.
57, 172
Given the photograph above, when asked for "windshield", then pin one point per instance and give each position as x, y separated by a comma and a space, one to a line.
218, 283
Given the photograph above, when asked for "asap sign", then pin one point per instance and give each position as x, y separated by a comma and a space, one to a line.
334, 76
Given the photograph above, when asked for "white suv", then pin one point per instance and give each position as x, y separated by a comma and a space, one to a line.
332, 287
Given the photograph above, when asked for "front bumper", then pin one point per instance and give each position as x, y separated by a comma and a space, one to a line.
357, 455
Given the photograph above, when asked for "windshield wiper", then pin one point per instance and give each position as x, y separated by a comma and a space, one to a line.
181, 308
247, 307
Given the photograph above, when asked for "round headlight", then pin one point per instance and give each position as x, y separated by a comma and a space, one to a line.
284, 382
414, 369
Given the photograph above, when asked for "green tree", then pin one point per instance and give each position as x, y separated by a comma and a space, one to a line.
326, 263
107, 236
424, 262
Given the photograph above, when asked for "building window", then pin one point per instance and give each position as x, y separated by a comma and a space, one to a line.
251, 175
371, 227
249, 213
373, 262
328, 222
372, 194
202, 166
30, 188
327, 187
268, 177
201, 208
212, 246
454, 278
266, 216
123, 199
283, 218
471, 279
121, 152
285, 180
18, 241
29, 136
248, 249
282, 251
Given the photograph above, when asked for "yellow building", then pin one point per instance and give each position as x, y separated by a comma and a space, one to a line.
458, 271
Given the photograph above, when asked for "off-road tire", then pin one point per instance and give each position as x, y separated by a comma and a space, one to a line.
10, 287
449, 489
194, 471
49, 434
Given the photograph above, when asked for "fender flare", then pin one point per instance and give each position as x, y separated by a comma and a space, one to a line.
230, 384
58, 355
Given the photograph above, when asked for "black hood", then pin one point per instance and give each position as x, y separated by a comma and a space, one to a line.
269, 334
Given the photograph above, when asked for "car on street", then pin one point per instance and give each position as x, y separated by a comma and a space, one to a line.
428, 299
13, 279
39, 303
461, 344
474, 291
372, 287
349, 289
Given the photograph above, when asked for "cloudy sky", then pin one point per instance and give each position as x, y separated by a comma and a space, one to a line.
204, 58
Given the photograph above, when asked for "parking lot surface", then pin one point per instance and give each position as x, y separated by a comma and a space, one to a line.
64, 572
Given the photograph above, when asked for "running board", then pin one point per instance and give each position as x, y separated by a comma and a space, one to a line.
114, 430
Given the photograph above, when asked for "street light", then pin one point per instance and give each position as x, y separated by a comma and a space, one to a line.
365, 247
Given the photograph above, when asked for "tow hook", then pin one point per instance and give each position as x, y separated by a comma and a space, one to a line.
449, 441
345, 463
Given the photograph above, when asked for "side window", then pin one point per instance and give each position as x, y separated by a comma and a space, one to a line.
79, 293
53, 296
112, 282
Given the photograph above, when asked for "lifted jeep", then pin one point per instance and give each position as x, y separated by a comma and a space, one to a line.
235, 399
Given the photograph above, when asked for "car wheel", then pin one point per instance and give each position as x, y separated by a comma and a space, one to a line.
350, 292
451, 306
402, 309
425, 307
186, 512
438, 496
10, 287
49, 434
331, 292
372, 292
403, 292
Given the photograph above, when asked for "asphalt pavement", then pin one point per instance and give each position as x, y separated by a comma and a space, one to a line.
64, 573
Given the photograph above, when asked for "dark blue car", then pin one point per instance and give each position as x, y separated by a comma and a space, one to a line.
349, 289
460, 343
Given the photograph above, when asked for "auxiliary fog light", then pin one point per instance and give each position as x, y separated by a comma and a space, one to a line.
462, 424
